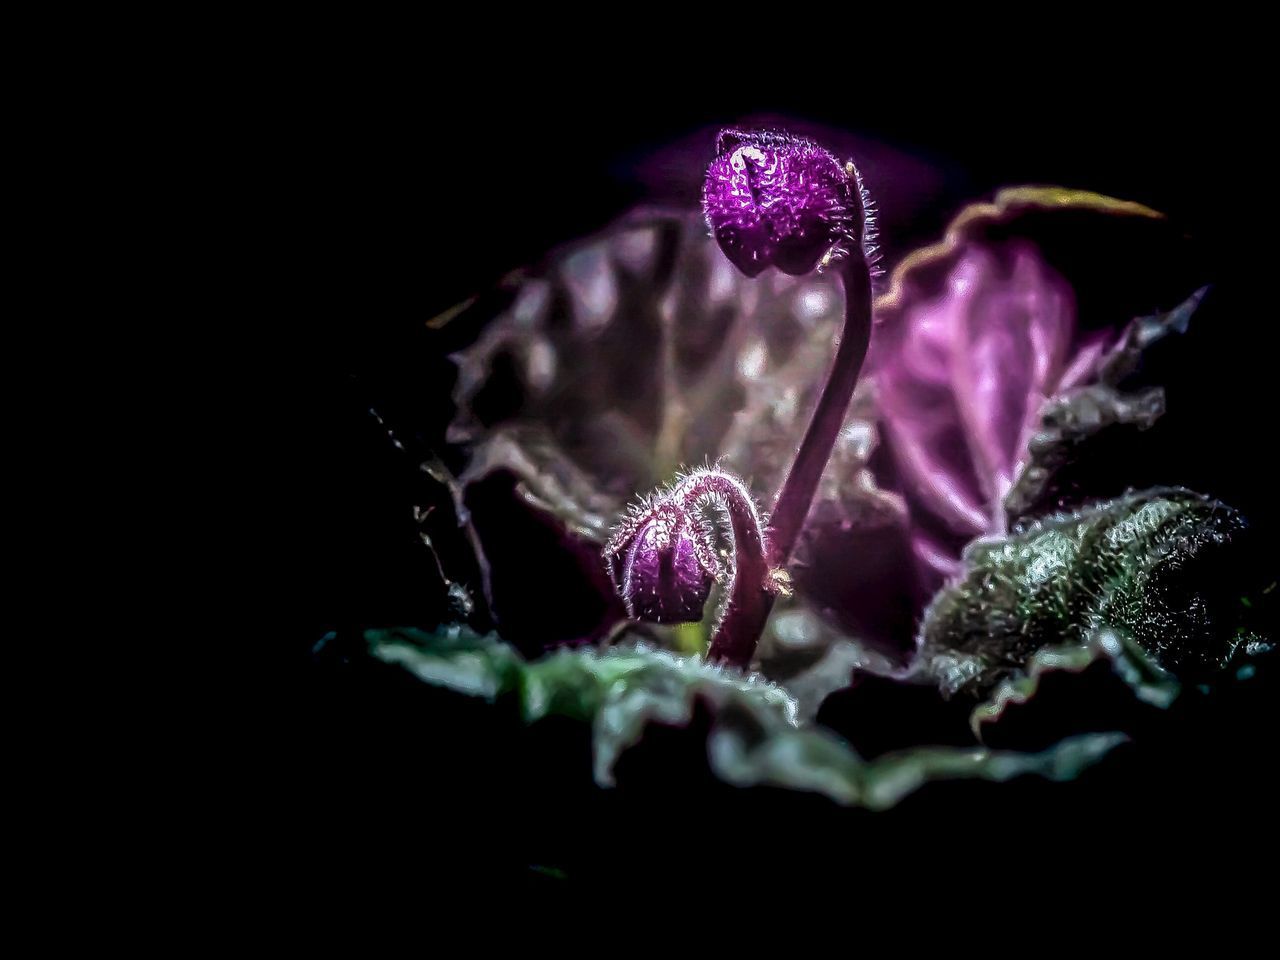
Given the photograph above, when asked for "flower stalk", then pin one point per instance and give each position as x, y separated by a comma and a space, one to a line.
735, 640
668, 560
770, 199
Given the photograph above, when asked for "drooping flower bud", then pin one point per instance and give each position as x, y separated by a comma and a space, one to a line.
667, 547
772, 199
667, 563
662, 580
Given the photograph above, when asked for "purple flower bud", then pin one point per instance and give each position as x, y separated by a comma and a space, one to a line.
662, 580
772, 199
668, 562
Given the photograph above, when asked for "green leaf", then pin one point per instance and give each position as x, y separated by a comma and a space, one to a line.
804, 653
814, 760
619, 690
1076, 425
1149, 682
1149, 565
756, 738
454, 656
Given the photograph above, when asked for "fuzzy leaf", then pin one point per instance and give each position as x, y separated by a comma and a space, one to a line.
756, 738
619, 690
1147, 564
811, 759
1150, 682
811, 659
1071, 425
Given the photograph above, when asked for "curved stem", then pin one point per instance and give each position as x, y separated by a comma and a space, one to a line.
749, 596
796, 496
739, 632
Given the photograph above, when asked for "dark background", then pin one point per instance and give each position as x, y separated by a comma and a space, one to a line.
407, 189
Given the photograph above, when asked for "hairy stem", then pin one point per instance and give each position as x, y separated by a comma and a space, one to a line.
749, 605
748, 593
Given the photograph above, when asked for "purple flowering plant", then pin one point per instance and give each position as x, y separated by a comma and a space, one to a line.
907, 480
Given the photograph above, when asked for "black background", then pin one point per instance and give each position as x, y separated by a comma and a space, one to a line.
404, 189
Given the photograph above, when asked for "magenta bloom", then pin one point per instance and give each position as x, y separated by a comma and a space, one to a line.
772, 199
